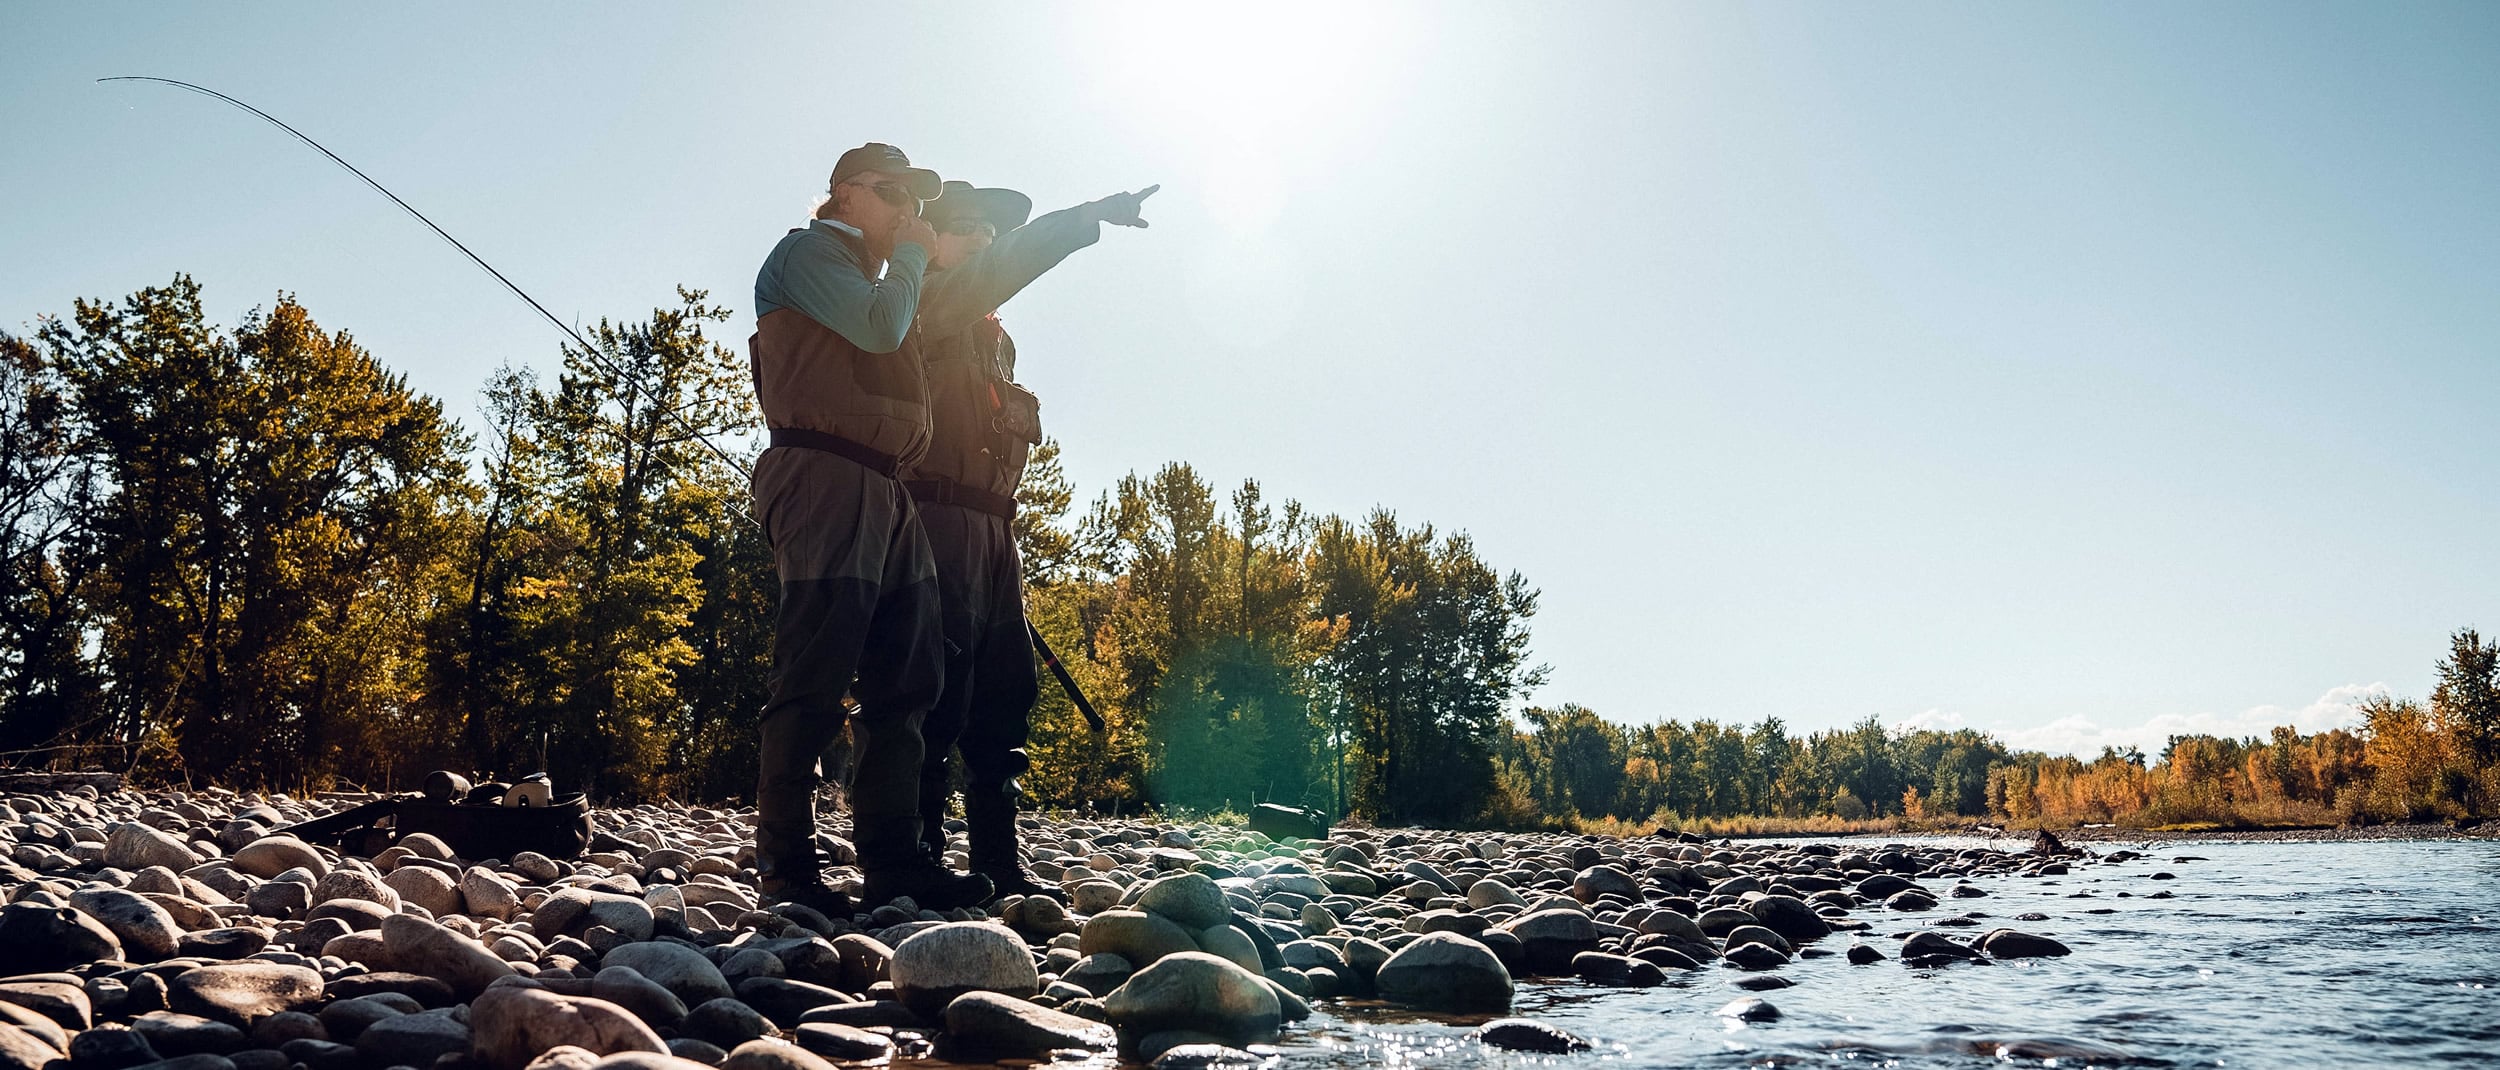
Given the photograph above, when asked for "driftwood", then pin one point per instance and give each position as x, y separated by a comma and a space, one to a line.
103, 783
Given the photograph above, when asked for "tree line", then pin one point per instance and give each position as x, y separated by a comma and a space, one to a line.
254, 556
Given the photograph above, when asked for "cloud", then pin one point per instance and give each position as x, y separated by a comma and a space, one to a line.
2337, 708
1939, 720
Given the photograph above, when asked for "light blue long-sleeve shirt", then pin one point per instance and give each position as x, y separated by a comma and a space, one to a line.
816, 271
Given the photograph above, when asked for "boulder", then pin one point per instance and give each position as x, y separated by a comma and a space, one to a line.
426, 887
1203, 1056
640, 995
999, 1026
412, 1040
1190, 900
572, 911
1597, 881
32, 1003
346, 1019
21, 1050
110, 1048
269, 856
242, 993
420, 946
348, 882
2012, 944
1788, 916
131, 845
1925, 949
785, 1001
680, 969
514, 1022
174, 1035
1134, 935
484, 894
937, 965
1195, 991
726, 1022
643, 1060
842, 1042
1490, 892
42, 939
1446, 972
51, 1032
1525, 1034
147, 933
1750, 1009
864, 961
1098, 973
1549, 938
768, 1054
1602, 968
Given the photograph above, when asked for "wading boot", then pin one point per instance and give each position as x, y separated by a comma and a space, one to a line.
891, 858
992, 817
805, 885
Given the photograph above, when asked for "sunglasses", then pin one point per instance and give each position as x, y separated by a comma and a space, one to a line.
892, 193
968, 227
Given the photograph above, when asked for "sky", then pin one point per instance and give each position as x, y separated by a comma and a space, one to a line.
2084, 373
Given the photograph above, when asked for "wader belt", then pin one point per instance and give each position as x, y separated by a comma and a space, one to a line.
949, 492
884, 464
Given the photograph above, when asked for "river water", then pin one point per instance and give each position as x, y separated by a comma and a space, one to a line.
2264, 955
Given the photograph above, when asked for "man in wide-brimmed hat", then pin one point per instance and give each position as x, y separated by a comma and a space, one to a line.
983, 428
841, 386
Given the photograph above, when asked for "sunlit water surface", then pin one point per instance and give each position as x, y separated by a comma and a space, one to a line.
2264, 955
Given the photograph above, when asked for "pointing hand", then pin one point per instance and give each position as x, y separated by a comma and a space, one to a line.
1120, 209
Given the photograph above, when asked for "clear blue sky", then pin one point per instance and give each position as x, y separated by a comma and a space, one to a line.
2077, 371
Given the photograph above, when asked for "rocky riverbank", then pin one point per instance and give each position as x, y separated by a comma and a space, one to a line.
180, 932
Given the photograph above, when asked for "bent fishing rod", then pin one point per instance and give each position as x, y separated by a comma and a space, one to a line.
590, 352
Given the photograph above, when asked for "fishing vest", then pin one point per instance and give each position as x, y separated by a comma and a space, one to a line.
983, 426
813, 384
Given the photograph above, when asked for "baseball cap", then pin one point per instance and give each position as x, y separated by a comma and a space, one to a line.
876, 156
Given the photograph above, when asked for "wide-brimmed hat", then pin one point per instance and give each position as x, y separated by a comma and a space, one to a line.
1005, 209
876, 156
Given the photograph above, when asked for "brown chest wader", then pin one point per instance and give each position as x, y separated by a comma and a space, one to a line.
984, 427
858, 610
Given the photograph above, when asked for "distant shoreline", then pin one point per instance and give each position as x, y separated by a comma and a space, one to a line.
2115, 834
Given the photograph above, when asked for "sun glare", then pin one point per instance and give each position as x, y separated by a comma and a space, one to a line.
1243, 93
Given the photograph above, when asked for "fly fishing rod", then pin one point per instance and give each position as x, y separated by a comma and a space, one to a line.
590, 352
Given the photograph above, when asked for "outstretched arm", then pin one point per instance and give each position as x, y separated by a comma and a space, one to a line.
956, 298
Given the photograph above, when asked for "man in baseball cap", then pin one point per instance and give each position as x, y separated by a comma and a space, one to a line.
887, 162
842, 389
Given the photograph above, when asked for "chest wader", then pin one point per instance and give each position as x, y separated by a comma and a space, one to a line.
983, 429
858, 612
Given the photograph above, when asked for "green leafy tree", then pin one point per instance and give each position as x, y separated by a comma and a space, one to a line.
50, 697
